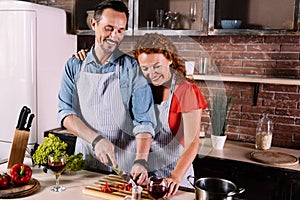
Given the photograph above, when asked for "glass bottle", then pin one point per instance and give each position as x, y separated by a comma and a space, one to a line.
264, 132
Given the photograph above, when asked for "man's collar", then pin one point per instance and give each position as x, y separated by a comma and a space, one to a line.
113, 57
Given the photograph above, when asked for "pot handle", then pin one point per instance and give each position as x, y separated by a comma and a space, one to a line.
238, 191
191, 177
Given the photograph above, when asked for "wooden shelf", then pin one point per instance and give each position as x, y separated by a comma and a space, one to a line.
247, 79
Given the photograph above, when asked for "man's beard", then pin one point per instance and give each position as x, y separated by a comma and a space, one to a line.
109, 48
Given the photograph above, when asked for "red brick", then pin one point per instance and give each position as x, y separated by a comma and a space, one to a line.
242, 55
286, 128
229, 47
283, 112
249, 123
266, 94
291, 48
284, 73
247, 39
215, 39
288, 64
296, 136
219, 55
287, 104
282, 56
283, 39
280, 88
223, 62
270, 103
248, 70
284, 120
287, 96
260, 63
264, 48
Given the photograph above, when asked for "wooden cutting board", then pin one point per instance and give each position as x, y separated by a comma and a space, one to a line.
117, 194
274, 158
16, 191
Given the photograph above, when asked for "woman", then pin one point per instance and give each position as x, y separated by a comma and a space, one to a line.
178, 105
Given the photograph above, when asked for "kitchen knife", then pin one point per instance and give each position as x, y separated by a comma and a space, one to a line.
24, 118
29, 122
23, 110
124, 176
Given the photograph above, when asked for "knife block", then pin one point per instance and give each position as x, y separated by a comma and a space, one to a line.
18, 148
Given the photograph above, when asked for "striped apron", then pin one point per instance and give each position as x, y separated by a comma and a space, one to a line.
165, 148
101, 108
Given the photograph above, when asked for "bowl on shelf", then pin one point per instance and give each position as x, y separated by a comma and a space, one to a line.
231, 24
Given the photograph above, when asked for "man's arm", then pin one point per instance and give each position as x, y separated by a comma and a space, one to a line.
103, 147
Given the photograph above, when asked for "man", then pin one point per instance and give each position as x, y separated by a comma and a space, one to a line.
101, 95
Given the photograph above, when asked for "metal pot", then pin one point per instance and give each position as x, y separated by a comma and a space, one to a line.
210, 188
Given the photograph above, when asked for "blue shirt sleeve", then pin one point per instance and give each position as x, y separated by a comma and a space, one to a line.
65, 95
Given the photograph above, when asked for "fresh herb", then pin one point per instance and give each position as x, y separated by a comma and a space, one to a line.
219, 111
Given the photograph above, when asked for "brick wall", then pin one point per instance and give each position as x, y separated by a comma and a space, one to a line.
262, 56
259, 56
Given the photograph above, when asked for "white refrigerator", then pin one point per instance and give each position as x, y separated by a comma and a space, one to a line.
34, 47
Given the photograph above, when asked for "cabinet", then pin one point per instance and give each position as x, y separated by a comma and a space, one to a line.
261, 182
142, 17
176, 18
79, 16
258, 16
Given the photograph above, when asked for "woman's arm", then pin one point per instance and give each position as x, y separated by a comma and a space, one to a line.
191, 145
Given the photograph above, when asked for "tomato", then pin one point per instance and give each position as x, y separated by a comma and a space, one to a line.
20, 174
4, 180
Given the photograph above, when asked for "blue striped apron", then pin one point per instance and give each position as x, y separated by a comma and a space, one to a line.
165, 148
102, 109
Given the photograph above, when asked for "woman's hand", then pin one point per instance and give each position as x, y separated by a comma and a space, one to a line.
173, 185
139, 174
81, 54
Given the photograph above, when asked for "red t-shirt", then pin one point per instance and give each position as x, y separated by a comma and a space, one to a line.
187, 97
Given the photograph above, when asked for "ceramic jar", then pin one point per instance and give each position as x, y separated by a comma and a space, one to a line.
90, 15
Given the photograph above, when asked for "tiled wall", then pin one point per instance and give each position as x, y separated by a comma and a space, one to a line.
270, 56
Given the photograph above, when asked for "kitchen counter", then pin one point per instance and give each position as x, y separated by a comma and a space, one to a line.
239, 151
74, 185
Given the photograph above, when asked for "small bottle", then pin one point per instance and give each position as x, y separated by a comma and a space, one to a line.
202, 132
264, 132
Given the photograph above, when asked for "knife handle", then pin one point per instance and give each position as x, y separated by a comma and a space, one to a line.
29, 122
23, 110
24, 118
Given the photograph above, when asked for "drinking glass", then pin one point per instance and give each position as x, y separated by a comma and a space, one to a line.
157, 187
193, 11
159, 15
57, 164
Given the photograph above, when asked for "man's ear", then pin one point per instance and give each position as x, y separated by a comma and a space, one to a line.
93, 23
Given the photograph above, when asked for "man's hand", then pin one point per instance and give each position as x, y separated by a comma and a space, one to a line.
105, 150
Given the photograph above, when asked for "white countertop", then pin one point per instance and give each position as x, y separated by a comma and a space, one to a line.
74, 185
239, 151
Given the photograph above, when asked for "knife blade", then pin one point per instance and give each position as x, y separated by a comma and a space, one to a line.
124, 175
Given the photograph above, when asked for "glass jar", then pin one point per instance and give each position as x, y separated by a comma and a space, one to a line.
264, 132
